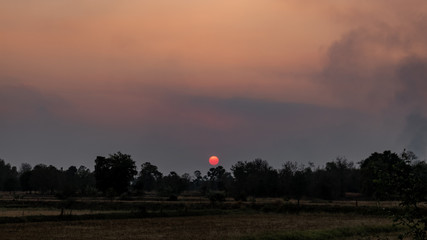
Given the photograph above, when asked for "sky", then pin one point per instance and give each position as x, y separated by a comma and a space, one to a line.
174, 82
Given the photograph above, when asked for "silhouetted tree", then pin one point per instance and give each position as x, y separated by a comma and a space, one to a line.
24, 177
86, 181
337, 178
197, 181
172, 184
300, 182
255, 178
149, 177
379, 174
68, 182
186, 179
219, 179
44, 178
390, 175
115, 172
8, 177
413, 191
285, 178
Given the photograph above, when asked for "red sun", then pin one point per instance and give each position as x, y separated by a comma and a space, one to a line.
213, 160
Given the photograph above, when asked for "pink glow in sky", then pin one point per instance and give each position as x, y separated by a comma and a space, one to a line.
276, 79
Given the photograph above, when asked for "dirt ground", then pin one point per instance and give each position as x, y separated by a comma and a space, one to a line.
201, 227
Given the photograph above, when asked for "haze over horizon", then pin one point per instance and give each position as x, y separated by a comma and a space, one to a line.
174, 82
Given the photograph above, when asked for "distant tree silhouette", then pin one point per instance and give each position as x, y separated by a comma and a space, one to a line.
114, 173
149, 177
85, 181
390, 176
255, 178
44, 178
285, 178
24, 177
413, 191
172, 184
219, 179
379, 174
8, 177
186, 180
68, 183
337, 178
296, 179
199, 182
299, 184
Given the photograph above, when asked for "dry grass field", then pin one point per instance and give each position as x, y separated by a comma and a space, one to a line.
38, 217
232, 226
22, 212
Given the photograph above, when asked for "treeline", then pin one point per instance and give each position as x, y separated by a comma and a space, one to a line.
381, 176
45, 179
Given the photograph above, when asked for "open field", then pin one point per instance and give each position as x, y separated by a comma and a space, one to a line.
35, 217
233, 226
22, 212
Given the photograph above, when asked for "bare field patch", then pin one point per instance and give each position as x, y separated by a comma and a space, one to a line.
23, 212
208, 227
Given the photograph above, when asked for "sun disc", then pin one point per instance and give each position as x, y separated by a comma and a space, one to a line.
213, 160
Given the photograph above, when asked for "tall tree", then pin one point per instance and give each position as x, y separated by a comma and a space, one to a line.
115, 172
24, 177
197, 180
86, 180
254, 178
8, 177
68, 182
398, 177
285, 178
299, 183
149, 177
172, 184
219, 179
379, 174
44, 179
336, 179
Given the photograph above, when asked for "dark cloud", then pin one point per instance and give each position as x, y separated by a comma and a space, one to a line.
412, 75
360, 68
382, 68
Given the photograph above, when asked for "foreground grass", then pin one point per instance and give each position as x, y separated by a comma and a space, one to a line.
359, 232
231, 226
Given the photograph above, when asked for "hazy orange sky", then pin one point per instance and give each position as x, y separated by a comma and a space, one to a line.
173, 82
